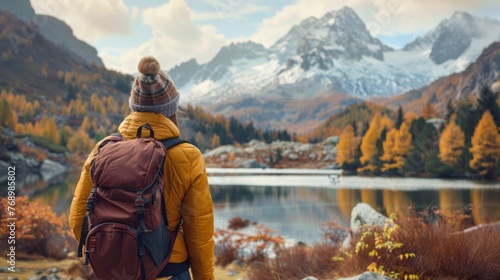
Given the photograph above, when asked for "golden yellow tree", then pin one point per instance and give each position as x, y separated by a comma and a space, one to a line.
347, 146
397, 146
5, 113
451, 144
389, 157
402, 145
215, 141
485, 148
386, 123
200, 141
410, 117
369, 144
85, 125
80, 142
50, 130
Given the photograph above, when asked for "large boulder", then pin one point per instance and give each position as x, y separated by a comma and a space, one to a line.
363, 214
50, 169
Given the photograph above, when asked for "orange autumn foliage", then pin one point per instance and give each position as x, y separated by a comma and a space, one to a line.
36, 228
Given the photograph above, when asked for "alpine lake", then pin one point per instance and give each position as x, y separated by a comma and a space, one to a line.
297, 212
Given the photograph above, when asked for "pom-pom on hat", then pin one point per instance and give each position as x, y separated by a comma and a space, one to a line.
153, 90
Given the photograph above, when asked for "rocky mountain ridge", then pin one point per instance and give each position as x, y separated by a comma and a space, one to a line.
331, 55
53, 29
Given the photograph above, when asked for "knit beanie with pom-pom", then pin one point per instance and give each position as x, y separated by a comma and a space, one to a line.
153, 90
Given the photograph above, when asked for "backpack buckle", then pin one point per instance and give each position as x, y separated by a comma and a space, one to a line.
91, 199
139, 205
139, 201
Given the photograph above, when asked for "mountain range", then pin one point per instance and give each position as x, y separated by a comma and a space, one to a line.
485, 71
329, 59
321, 66
53, 29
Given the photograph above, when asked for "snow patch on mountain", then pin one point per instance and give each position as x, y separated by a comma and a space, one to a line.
336, 53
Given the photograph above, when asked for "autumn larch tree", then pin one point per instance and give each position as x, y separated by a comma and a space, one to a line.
451, 144
485, 146
402, 145
215, 141
388, 147
369, 144
397, 146
347, 146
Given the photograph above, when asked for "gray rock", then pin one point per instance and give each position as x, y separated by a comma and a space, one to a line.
332, 140
305, 147
53, 277
310, 278
52, 270
221, 150
293, 156
251, 164
367, 276
50, 169
363, 214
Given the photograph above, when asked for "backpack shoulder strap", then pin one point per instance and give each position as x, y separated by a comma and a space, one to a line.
167, 143
171, 142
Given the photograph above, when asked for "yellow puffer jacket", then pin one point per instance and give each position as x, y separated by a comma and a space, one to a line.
187, 195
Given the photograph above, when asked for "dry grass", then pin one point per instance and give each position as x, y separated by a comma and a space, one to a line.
297, 263
237, 223
232, 245
430, 245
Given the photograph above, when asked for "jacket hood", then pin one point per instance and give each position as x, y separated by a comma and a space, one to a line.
163, 127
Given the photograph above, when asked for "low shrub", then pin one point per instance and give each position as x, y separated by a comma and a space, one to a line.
232, 245
237, 223
427, 245
38, 230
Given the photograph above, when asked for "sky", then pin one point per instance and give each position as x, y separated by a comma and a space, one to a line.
175, 31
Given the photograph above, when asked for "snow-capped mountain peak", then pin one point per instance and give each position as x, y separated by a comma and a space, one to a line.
455, 36
333, 53
338, 34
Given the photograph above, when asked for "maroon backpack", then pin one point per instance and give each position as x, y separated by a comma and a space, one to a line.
125, 229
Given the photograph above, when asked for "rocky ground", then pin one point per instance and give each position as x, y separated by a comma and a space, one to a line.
278, 154
71, 269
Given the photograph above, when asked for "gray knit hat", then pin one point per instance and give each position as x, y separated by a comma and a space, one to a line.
153, 90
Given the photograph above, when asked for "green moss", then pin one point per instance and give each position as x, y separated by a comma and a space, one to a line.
45, 143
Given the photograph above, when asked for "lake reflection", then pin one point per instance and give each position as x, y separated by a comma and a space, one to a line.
298, 212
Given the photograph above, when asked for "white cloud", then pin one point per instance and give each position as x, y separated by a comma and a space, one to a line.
387, 17
90, 19
175, 39
226, 12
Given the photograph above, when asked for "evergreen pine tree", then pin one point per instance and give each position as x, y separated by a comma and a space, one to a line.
487, 101
399, 118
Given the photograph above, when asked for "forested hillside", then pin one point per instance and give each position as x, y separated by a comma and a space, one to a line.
465, 142
53, 106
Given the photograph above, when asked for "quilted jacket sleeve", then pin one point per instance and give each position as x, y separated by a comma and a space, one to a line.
197, 213
82, 191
